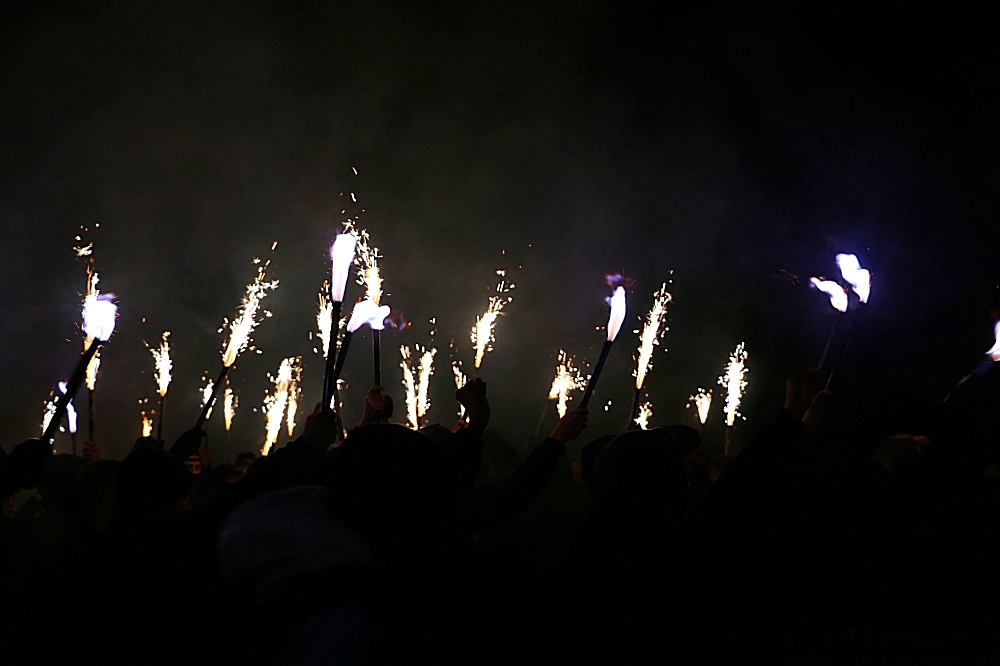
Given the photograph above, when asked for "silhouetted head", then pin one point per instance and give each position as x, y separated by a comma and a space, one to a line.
147, 442
243, 461
56, 483
588, 459
193, 464
690, 442
393, 485
640, 476
150, 481
28, 461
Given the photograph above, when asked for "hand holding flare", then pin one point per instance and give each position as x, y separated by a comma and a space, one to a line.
615, 320
341, 258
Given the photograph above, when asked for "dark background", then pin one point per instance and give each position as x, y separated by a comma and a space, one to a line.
727, 142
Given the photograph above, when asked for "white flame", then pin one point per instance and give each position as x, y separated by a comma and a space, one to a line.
994, 351
410, 384
70, 410
702, 400
342, 256
163, 365
99, 317
367, 312
617, 303
734, 381
230, 401
460, 381
206, 395
324, 318
645, 414
859, 278
426, 369
838, 297
275, 404
50, 412
246, 319
147, 425
92, 368
566, 380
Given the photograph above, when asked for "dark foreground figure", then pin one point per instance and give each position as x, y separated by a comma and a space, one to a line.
449, 546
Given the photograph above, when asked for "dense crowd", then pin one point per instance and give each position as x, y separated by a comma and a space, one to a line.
394, 545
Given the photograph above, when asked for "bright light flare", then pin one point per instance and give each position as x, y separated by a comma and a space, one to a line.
425, 371
702, 401
276, 403
92, 368
617, 317
147, 425
206, 395
99, 316
163, 365
483, 334
230, 401
341, 256
644, 415
70, 410
294, 394
460, 381
246, 319
735, 383
567, 379
859, 278
652, 332
838, 297
324, 318
367, 312
994, 351
410, 384
366, 258
50, 412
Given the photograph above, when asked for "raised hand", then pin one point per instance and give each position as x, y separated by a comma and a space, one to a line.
571, 426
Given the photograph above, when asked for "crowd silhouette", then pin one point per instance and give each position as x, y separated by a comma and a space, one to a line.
447, 544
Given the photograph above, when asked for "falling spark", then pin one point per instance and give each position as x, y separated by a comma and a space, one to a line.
410, 384
147, 425
246, 319
734, 381
460, 381
483, 335
859, 278
652, 333
366, 258
838, 297
645, 414
230, 401
702, 400
275, 404
566, 380
50, 412
426, 369
994, 351
161, 358
206, 395
324, 318
92, 368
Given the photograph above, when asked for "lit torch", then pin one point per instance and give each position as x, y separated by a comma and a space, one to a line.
341, 258
147, 425
566, 380
365, 312
702, 401
652, 332
410, 384
370, 278
838, 299
644, 414
70, 416
207, 394
230, 401
735, 383
483, 334
426, 369
324, 318
98, 324
275, 404
994, 351
161, 373
615, 320
95, 363
240, 331
460, 381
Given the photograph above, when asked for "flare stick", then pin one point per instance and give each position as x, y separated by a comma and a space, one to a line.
71, 386
211, 400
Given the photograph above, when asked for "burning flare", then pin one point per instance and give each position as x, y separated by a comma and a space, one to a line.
341, 256
994, 351
366, 258
275, 404
147, 425
859, 278
294, 393
702, 400
426, 369
161, 358
230, 402
50, 411
367, 312
206, 395
734, 381
838, 297
460, 381
645, 414
324, 318
652, 333
70, 410
99, 316
92, 368
246, 319
567, 379
617, 317
410, 384
483, 332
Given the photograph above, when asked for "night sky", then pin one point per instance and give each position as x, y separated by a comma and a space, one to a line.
732, 144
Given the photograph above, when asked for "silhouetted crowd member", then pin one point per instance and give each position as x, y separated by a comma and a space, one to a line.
449, 545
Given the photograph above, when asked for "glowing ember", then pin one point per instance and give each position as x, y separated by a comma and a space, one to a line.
566, 380
324, 318
734, 381
206, 395
617, 317
460, 381
230, 401
652, 333
147, 425
838, 297
367, 312
483, 332
994, 351
50, 412
341, 256
645, 414
275, 404
246, 319
367, 261
426, 369
92, 368
702, 400
410, 384
161, 358
859, 278
70, 410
